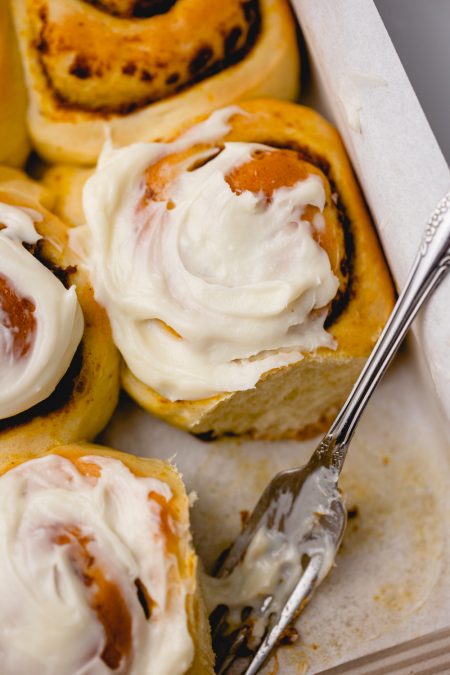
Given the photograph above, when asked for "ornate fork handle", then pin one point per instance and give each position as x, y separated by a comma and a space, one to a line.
434, 224
430, 266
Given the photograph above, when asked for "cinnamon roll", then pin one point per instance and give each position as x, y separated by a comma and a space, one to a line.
239, 269
146, 66
97, 571
59, 368
14, 143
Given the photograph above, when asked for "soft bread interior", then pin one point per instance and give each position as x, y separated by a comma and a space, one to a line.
297, 404
298, 401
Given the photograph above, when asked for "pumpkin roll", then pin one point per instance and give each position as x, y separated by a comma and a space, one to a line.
97, 570
144, 67
240, 271
59, 368
14, 143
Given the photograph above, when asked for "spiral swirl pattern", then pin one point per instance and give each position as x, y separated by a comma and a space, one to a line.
41, 322
208, 281
90, 581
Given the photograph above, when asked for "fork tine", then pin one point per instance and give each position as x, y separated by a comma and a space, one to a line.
299, 596
239, 642
233, 652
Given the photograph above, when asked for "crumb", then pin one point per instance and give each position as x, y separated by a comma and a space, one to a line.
245, 515
353, 512
289, 636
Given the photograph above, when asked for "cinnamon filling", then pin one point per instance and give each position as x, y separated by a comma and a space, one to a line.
271, 170
268, 171
105, 597
133, 8
90, 65
170, 539
18, 318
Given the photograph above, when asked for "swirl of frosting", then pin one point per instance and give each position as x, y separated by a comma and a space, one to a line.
41, 322
208, 281
90, 580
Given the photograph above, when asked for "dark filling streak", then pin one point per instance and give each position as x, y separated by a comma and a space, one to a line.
142, 597
232, 39
173, 78
201, 60
139, 9
200, 68
206, 436
63, 274
60, 397
72, 381
80, 68
211, 435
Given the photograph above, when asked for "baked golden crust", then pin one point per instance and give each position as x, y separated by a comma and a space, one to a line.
85, 398
87, 62
14, 143
300, 400
179, 508
65, 184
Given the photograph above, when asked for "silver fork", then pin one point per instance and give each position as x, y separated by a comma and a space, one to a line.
302, 509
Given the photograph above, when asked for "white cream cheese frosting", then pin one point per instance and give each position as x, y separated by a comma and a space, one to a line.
238, 278
48, 624
27, 379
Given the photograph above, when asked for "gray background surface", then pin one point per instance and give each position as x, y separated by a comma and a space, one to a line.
420, 31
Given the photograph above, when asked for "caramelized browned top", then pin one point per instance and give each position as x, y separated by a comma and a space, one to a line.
133, 8
116, 60
17, 316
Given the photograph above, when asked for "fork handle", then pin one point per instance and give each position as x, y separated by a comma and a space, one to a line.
430, 266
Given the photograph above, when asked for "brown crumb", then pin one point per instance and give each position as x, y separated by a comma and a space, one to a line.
353, 512
289, 636
80, 68
245, 515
